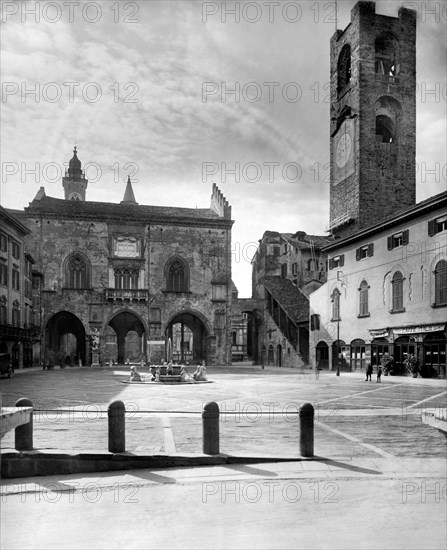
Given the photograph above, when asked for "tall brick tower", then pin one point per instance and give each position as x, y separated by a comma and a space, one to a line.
373, 118
74, 182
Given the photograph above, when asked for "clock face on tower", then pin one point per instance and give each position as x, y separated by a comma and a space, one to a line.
74, 197
343, 151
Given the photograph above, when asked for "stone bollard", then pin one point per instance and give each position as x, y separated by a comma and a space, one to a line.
210, 423
307, 430
117, 428
24, 433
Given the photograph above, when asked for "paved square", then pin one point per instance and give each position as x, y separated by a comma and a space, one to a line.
378, 480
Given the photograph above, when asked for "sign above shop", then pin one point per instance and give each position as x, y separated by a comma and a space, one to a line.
418, 329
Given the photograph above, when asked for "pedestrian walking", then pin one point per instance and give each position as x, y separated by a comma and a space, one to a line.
369, 371
379, 374
317, 371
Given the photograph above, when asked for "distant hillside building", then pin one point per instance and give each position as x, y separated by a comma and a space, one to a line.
120, 280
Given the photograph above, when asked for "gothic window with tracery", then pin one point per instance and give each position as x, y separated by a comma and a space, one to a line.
177, 276
78, 271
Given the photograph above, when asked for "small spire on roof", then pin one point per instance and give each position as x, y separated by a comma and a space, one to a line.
40, 194
129, 197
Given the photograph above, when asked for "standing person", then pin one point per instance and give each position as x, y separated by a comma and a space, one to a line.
379, 373
317, 371
369, 371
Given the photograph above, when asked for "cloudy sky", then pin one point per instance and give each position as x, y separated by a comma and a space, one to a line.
144, 88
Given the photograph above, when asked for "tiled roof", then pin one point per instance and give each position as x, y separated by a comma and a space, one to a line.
300, 239
10, 217
433, 203
289, 297
52, 206
306, 241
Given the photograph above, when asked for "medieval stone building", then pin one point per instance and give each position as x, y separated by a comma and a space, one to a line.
286, 268
123, 280
373, 119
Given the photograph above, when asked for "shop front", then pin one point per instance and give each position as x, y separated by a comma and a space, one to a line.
427, 343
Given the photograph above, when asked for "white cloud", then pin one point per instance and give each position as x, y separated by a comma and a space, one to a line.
171, 131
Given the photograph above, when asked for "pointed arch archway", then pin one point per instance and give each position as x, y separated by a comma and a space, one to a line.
64, 332
130, 337
188, 331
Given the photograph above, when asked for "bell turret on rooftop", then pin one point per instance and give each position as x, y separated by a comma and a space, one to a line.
74, 182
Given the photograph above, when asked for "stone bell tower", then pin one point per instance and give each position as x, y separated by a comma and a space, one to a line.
373, 118
74, 182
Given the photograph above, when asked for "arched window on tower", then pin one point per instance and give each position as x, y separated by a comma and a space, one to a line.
384, 129
77, 272
397, 284
386, 56
441, 283
344, 68
177, 275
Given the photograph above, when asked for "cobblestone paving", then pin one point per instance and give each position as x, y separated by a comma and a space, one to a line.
353, 417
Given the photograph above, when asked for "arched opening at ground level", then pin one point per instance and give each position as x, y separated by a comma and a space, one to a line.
358, 354
279, 355
322, 355
125, 338
270, 356
187, 334
340, 356
65, 339
254, 351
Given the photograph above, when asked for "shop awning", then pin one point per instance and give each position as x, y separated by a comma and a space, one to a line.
417, 329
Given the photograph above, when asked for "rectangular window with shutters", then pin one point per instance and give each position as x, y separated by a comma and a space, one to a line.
15, 250
3, 274
398, 239
284, 270
15, 279
3, 243
437, 225
364, 252
337, 261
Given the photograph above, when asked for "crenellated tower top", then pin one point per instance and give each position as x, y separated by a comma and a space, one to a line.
219, 203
